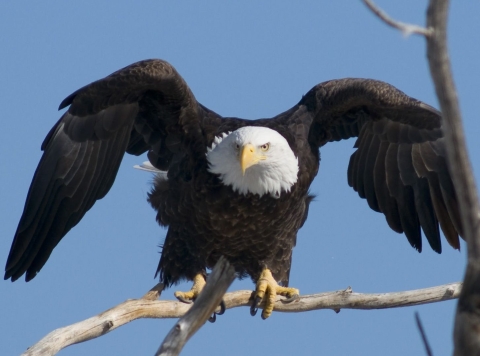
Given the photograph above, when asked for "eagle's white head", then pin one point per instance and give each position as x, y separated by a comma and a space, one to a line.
254, 160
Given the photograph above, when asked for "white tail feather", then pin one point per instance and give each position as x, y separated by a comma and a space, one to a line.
148, 167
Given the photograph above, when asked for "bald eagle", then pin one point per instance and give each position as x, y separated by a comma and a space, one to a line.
234, 187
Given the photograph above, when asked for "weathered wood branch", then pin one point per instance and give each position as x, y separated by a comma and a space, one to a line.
218, 282
145, 308
459, 163
406, 28
467, 320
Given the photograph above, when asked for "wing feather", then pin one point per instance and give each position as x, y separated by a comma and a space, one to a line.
369, 173
399, 164
146, 106
421, 191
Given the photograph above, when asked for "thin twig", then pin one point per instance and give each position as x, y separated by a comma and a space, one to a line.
218, 282
407, 29
143, 308
428, 349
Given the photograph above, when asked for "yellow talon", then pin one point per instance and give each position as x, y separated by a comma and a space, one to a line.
198, 284
267, 289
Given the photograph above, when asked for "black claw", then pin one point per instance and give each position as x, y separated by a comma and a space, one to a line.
222, 308
213, 318
254, 308
187, 301
291, 299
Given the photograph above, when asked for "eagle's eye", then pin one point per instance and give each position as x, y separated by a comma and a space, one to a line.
237, 146
265, 147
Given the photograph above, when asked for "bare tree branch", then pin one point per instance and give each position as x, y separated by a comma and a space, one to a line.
428, 349
458, 160
467, 321
143, 308
218, 282
406, 28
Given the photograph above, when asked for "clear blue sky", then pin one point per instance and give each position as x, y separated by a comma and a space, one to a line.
245, 59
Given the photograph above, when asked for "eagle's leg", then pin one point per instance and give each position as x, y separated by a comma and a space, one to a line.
267, 288
188, 297
198, 284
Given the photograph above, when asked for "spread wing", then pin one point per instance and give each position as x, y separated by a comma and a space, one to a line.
146, 106
400, 165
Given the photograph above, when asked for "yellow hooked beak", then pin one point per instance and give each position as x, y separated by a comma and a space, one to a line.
249, 157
